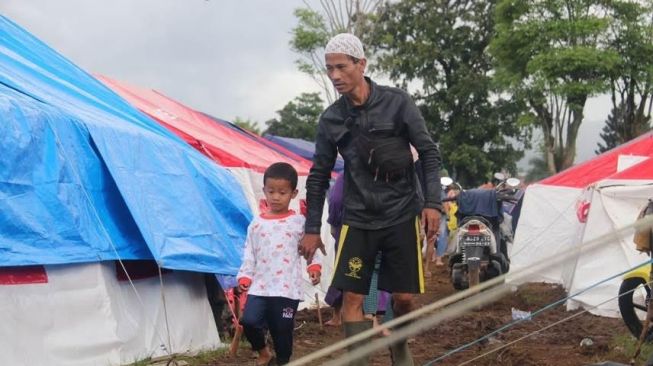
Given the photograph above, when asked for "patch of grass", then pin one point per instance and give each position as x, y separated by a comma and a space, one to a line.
205, 357
622, 348
532, 298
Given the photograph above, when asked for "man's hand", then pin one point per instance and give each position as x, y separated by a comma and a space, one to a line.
309, 244
315, 277
431, 222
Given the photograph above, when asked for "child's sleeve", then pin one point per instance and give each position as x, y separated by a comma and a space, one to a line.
246, 272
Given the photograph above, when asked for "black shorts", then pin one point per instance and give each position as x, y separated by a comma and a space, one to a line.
401, 259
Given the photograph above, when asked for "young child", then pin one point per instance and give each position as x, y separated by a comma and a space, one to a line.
272, 269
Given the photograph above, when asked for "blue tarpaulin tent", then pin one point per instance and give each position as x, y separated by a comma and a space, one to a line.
85, 177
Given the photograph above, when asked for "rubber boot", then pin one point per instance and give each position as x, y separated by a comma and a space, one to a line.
400, 354
351, 329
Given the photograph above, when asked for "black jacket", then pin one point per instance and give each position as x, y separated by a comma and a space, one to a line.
371, 203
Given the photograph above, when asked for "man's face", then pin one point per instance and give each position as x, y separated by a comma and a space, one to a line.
344, 73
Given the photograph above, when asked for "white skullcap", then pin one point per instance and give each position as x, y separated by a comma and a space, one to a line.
346, 43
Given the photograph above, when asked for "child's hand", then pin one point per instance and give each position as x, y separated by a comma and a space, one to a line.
315, 277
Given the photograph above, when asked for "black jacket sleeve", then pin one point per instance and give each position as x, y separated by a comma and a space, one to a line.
428, 152
317, 182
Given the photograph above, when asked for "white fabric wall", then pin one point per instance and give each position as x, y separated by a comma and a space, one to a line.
252, 184
614, 204
547, 225
84, 316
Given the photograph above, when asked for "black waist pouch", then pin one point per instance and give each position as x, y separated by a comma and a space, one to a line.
388, 157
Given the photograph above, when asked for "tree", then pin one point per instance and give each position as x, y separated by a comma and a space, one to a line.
538, 167
298, 118
612, 133
553, 55
631, 83
315, 28
441, 45
248, 125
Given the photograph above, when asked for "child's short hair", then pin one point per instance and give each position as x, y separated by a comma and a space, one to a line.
281, 171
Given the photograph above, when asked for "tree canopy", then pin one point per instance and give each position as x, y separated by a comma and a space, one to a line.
553, 55
248, 125
441, 46
631, 83
298, 118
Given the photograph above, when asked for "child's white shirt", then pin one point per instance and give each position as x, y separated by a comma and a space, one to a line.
271, 258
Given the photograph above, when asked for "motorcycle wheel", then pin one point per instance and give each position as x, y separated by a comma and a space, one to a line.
473, 276
628, 307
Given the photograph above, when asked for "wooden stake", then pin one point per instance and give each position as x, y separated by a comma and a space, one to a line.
233, 349
235, 342
319, 310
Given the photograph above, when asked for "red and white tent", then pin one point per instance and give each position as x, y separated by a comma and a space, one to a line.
582, 203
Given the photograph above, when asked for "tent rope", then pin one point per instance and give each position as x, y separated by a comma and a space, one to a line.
464, 301
534, 314
102, 227
165, 315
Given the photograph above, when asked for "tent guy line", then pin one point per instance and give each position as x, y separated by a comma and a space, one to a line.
543, 328
533, 315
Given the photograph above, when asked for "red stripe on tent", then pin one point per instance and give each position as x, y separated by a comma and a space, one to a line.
602, 166
226, 146
23, 275
138, 269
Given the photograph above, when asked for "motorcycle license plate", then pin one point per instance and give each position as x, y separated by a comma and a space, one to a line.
477, 240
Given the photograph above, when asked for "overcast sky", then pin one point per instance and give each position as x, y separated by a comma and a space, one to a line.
229, 58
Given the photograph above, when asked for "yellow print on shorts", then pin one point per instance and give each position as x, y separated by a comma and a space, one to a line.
355, 265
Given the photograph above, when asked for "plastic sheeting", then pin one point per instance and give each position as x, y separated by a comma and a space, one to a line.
227, 146
83, 316
86, 177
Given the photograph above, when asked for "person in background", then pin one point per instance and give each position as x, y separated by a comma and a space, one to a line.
334, 296
272, 270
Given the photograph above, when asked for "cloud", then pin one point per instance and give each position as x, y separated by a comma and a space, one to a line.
226, 58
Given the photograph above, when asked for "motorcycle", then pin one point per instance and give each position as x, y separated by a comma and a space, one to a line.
481, 243
635, 295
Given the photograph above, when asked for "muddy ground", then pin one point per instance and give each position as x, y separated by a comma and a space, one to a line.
559, 345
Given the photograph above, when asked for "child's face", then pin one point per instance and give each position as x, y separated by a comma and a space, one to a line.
278, 194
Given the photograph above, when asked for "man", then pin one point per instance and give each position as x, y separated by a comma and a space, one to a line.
372, 126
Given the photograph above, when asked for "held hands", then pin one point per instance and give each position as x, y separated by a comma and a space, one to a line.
309, 244
315, 277
243, 287
431, 223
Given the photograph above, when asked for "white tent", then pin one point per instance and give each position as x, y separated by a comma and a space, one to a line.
614, 204
599, 192
83, 315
